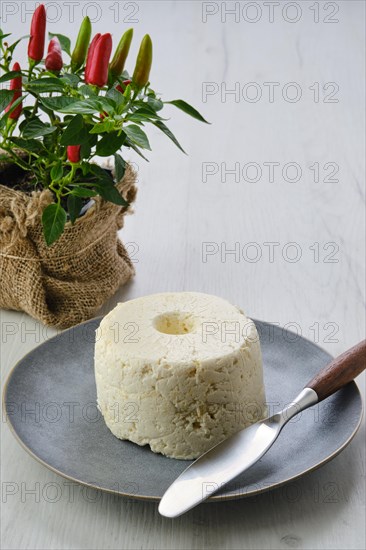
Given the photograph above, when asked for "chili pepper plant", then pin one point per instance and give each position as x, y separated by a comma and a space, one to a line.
69, 105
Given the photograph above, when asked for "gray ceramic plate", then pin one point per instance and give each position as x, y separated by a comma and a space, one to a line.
50, 404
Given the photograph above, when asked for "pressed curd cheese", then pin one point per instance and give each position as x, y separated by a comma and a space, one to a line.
178, 371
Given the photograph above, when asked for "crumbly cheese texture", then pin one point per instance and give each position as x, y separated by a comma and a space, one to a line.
179, 372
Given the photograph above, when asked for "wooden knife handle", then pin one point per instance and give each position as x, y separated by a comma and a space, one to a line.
340, 371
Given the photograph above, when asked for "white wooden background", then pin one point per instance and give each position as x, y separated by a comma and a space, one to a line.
176, 212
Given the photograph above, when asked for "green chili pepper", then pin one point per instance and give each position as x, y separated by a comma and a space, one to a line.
81, 46
118, 62
143, 63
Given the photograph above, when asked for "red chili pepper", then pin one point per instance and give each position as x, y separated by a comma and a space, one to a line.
125, 83
16, 85
37, 34
54, 56
97, 70
89, 56
73, 153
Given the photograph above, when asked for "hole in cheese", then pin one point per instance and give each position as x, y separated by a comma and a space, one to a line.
175, 322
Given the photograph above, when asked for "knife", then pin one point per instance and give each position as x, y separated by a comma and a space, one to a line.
226, 460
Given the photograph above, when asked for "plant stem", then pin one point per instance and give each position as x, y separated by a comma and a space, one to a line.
35, 107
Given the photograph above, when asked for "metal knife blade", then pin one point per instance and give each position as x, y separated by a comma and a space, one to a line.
228, 459
233, 456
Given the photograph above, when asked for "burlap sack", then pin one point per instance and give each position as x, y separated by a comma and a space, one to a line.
66, 283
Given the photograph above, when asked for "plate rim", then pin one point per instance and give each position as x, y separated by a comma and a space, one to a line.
148, 498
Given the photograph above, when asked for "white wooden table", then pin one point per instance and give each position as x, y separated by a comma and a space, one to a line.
193, 210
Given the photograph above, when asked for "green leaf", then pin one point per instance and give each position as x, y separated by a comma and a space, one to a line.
36, 128
30, 145
5, 117
155, 103
101, 127
138, 118
93, 139
148, 111
128, 92
85, 107
71, 79
138, 136
57, 171
57, 103
104, 185
49, 141
87, 91
87, 146
168, 133
110, 193
9, 76
188, 109
116, 96
5, 98
4, 120
119, 167
15, 104
73, 207
83, 192
101, 174
2, 35
75, 132
85, 150
129, 143
53, 221
143, 115
14, 45
64, 41
107, 104
110, 143
46, 85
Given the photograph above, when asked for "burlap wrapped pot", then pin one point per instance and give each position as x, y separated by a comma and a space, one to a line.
67, 282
